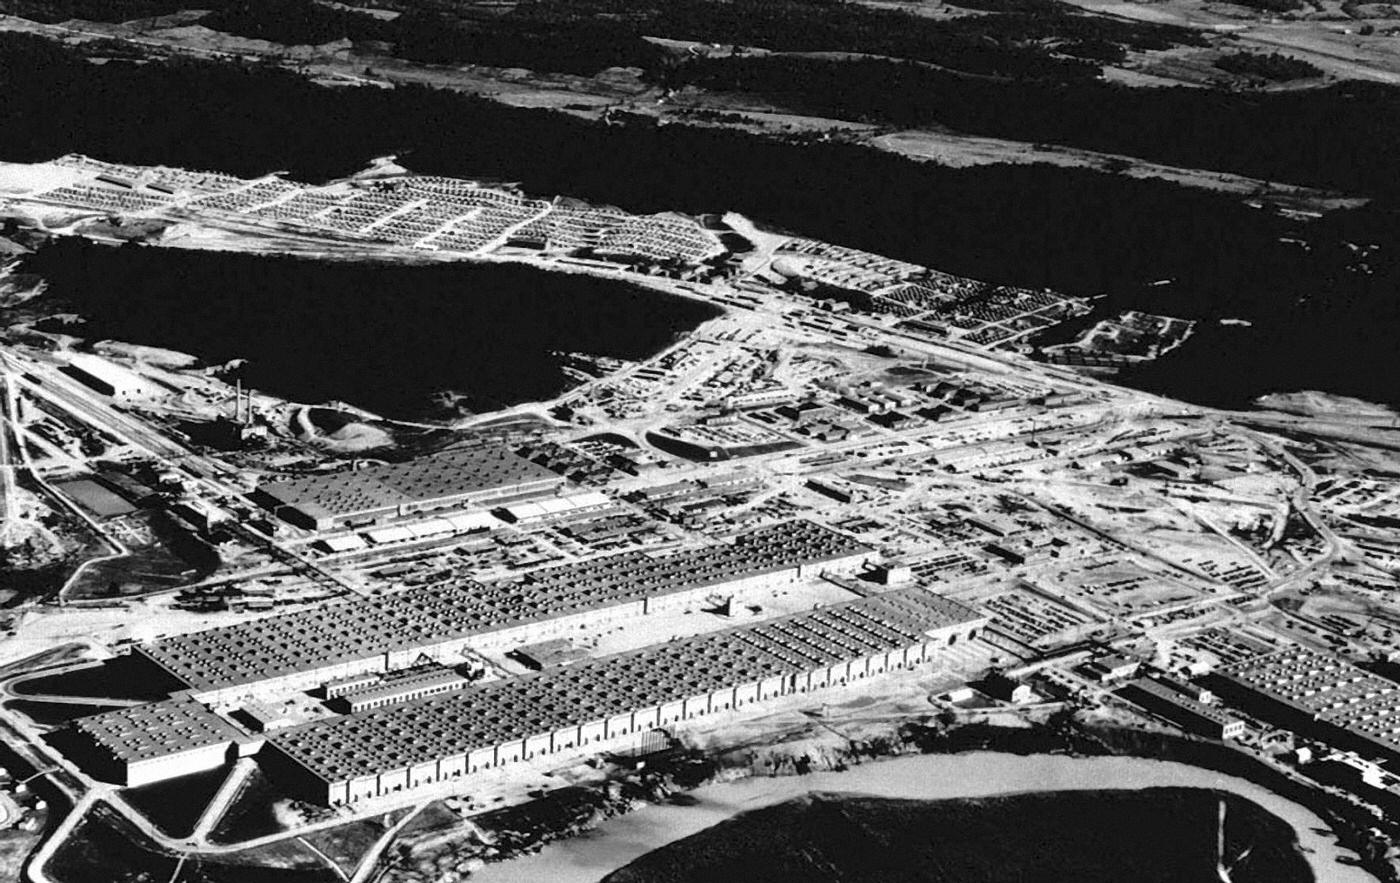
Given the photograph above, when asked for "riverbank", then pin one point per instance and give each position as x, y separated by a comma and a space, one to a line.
1359, 828
625, 838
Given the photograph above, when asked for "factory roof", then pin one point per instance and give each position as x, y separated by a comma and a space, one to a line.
459, 473
288, 644
484, 715
404, 686
345, 631
352, 681
117, 376
1330, 689
156, 729
266, 717
1181, 701
567, 589
1310, 681
553, 506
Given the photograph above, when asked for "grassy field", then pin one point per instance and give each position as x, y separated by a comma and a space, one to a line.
106, 849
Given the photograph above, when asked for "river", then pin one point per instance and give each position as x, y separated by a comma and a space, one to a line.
587, 858
406, 342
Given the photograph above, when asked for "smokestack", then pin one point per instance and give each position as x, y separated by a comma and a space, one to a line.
238, 401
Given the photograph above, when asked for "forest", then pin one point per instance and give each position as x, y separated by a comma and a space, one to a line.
587, 36
89, 10
1274, 66
1352, 129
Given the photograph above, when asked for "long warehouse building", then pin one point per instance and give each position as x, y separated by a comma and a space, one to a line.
590, 706
1320, 695
364, 496
342, 639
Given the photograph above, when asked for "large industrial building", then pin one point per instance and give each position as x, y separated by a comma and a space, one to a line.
121, 385
1318, 694
290, 650
1166, 698
364, 496
159, 740
309, 648
594, 704
431, 727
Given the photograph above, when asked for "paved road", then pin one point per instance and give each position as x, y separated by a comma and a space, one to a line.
371, 858
7, 464
226, 794
45, 853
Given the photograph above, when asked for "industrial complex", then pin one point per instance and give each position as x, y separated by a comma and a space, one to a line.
384, 633
855, 511
436, 727
594, 705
